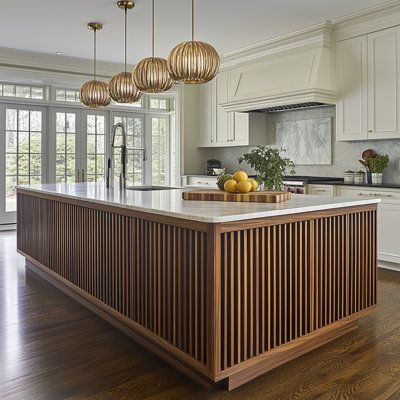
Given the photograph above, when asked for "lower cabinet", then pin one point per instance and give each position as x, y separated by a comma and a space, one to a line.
388, 219
322, 190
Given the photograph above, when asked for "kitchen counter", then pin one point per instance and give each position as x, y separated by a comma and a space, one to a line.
222, 291
170, 203
342, 183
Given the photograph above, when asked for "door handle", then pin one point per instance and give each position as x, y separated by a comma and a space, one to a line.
78, 175
83, 175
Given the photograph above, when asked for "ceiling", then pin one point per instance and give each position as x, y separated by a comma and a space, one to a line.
51, 26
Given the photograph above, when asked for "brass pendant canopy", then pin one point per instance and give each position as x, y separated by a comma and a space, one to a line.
121, 86
151, 74
193, 61
94, 93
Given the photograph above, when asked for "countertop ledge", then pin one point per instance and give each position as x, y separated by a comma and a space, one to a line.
170, 203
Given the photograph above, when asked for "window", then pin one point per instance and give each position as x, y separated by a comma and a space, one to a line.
159, 103
67, 95
65, 146
134, 138
159, 150
136, 104
95, 154
22, 91
23, 151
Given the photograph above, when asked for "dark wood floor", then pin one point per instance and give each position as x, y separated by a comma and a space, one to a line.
51, 348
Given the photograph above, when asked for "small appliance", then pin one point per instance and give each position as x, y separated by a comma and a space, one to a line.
210, 165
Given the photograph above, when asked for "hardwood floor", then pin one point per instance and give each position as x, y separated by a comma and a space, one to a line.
51, 348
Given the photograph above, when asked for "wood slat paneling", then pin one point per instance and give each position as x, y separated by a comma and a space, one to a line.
311, 274
127, 263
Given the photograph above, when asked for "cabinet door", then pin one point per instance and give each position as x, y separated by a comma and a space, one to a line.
222, 136
240, 131
352, 83
383, 84
207, 114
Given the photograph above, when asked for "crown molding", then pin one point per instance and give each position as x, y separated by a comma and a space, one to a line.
53, 65
315, 35
367, 14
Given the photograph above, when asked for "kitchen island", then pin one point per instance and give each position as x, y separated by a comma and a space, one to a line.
223, 291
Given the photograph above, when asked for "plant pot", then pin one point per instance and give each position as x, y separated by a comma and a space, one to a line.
376, 179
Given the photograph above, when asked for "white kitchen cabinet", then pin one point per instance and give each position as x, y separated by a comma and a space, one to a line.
368, 72
388, 219
352, 75
321, 190
199, 181
383, 84
219, 128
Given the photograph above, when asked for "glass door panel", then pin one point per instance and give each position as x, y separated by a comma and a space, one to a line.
22, 151
66, 135
160, 150
96, 149
134, 125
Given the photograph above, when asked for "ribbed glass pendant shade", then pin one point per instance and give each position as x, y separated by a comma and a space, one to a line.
151, 75
193, 62
122, 89
121, 86
94, 94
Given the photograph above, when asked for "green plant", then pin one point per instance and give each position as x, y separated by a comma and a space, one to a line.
378, 163
270, 166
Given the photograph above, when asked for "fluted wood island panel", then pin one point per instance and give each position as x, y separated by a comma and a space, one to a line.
224, 302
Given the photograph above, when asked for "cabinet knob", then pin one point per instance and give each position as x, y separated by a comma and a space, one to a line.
370, 130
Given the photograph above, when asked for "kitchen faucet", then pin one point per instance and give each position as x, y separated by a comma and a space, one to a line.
124, 149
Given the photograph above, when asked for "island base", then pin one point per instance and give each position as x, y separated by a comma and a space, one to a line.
223, 303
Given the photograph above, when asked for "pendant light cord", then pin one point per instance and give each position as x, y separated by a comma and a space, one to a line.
153, 17
192, 20
126, 35
94, 52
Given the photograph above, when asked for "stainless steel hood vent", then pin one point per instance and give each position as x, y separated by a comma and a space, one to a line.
290, 107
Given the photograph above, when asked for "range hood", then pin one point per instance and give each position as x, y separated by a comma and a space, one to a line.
301, 76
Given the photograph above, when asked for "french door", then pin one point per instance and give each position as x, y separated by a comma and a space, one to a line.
80, 145
135, 137
22, 153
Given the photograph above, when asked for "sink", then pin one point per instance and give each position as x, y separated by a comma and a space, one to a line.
150, 188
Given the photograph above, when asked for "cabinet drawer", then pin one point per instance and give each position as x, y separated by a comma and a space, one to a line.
321, 190
201, 181
386, 196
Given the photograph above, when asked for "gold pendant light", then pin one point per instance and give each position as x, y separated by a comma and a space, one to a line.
151, 74
193, 61
121, 86
94, 93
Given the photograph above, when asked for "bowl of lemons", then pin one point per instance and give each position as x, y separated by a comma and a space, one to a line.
239, 182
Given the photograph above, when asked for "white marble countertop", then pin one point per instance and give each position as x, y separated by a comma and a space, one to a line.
170, 203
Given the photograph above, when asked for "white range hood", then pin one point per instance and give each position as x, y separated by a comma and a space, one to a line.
300, 72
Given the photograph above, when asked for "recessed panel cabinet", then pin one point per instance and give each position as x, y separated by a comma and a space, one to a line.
368, 72
219, 128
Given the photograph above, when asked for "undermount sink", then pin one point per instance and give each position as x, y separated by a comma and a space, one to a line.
149, 188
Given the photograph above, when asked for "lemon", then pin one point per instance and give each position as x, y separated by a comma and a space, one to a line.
230, 186
240, 176
244, 186
254, 185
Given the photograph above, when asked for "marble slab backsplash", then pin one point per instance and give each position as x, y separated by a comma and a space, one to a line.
345, 155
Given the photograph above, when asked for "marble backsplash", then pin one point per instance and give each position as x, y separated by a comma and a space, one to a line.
345, 155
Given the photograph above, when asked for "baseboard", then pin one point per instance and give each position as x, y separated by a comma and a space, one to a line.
8, 227
389, 265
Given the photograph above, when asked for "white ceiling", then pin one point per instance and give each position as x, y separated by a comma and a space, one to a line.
54, 25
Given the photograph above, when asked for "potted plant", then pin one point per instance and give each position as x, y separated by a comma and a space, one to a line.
377, 166
270, 166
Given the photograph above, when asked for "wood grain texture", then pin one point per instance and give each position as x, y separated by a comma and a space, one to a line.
220, 301
252, 197
55, 349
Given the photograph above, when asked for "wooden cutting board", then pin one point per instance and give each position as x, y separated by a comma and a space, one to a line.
252, 197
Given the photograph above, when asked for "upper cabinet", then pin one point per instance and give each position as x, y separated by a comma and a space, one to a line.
219, 128
368, 71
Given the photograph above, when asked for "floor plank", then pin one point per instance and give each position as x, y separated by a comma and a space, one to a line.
51, 348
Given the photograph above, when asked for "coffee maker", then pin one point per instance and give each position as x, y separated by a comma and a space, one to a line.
210, 165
